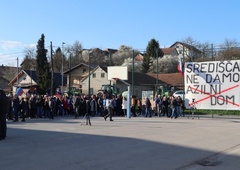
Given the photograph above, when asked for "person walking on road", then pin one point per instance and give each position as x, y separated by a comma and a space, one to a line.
110, 106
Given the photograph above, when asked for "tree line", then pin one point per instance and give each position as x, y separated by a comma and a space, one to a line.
70, 56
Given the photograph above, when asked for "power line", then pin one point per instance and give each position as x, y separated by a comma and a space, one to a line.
7, 60
11, 53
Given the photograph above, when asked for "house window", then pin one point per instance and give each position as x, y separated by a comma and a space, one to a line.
102, 75
94, 75
84, 70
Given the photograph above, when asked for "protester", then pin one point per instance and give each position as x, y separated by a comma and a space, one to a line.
139, 104
124, 106
173, 106
109, 105
158, 105
4, 109
148, 108
22, 108
15, 107
93, 106
165, 106
133, 105
88, 111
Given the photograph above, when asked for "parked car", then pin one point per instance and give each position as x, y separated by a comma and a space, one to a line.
178, 93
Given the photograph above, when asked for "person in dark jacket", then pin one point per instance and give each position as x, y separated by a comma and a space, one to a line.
173, 105
148, 106
15, 107
165, 106
23, 108
93, 106
10, 110
4, 109
76, 104
88, 110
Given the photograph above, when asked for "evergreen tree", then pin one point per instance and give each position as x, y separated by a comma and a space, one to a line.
146, 63
152, 48
43, 66
151, 51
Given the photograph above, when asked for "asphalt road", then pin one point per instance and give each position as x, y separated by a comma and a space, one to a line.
156, 143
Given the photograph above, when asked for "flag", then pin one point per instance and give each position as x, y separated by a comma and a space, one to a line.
19, 91
180, 68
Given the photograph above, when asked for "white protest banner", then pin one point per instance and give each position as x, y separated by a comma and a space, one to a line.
212, 85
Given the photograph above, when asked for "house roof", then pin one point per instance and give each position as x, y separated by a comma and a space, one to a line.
8, 72
57, 77
4, 84
190, 47
103, 68
109, 50
76, 67
139, 57
167, 51
173, 79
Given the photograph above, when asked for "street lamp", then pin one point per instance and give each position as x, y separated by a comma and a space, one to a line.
69, 77
133, 72
89, 74
156, 72
62, 68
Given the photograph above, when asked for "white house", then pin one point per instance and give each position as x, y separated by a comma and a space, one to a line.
186, 51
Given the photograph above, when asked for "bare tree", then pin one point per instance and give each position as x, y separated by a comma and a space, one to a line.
29, 61
57, 60
229, 50
75, 51
205, 47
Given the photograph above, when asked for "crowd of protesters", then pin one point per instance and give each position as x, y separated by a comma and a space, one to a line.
172, 107
46, 106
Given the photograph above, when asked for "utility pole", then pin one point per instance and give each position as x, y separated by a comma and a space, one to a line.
110, 82
17, 72
69, 77
31, 90
156, 92
62, 67
89, 87
132, 72
52, 68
